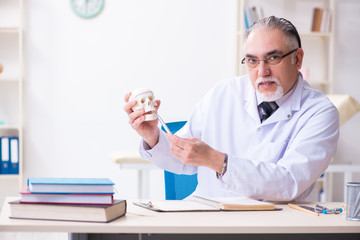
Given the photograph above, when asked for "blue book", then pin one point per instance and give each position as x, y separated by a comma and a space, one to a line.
71, 185
5, 155
14, 155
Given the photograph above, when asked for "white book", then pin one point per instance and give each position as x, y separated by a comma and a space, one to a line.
5, 156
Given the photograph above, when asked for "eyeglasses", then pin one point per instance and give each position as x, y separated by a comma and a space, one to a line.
274, 59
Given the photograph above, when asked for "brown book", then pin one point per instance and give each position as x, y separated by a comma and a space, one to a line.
317, 16
313, 20
68, 212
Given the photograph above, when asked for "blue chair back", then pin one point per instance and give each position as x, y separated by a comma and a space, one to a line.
178, 186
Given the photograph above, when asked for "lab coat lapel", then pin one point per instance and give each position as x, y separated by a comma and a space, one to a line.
250, 104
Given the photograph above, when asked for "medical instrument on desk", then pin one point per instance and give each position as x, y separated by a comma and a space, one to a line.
326, 210
164, 124
149, 204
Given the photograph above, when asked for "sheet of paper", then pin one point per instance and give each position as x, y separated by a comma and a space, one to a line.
180, 205
240, 200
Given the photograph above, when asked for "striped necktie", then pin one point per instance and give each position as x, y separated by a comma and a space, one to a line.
266, 109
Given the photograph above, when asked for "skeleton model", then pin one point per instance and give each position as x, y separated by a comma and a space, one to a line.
145, 100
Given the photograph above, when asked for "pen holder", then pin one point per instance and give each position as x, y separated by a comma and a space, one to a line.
353, 201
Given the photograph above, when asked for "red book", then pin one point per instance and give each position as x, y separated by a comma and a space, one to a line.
65, 198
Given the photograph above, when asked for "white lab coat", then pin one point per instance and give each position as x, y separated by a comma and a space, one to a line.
277, 160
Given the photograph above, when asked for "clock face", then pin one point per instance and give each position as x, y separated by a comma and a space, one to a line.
87, 8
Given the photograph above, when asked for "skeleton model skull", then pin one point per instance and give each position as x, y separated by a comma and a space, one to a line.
145, 100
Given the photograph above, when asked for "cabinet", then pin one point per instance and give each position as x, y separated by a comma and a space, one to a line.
318, 63
11, 86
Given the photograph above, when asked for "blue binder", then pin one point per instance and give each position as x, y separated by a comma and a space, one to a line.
5, 155
14, 155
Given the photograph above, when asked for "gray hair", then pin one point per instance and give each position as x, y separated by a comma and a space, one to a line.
272, 22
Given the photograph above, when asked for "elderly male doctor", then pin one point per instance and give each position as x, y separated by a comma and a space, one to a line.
266, 135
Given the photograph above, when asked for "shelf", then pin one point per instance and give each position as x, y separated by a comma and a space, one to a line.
9, 127
9, 176
305, 34
9, 79
9, 30
315, 34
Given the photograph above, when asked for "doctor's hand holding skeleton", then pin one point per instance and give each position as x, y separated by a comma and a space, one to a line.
141, 107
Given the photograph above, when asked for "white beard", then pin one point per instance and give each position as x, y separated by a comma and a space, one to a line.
269, 96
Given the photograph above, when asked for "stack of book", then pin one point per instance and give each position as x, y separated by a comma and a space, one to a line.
71, 199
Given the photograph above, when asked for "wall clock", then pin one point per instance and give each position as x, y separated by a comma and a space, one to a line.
87, 8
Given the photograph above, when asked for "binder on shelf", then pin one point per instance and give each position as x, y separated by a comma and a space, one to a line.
14, 155
5, 155
247, 17
252, 15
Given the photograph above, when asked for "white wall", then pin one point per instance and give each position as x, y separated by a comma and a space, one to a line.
77, 72
347, 81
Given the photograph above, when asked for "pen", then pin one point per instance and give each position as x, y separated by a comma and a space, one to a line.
164, 124
296, 207
334, 210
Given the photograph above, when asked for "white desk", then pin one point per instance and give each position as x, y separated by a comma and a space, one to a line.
142, 221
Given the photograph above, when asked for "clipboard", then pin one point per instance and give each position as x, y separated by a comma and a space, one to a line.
200, 204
